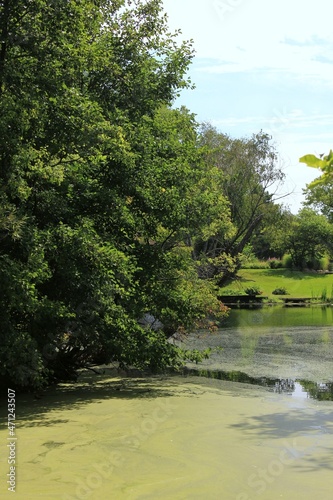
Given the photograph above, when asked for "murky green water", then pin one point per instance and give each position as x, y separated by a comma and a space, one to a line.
280, 316
258, 425
288, 349
170, 438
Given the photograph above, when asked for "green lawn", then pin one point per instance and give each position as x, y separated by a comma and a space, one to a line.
298, 284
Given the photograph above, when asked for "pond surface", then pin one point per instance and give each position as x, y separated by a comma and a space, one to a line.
280, 316
289, 349
170, 438
258, 425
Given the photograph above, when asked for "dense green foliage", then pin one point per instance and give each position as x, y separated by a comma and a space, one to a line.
269, 239
102, 189
319, 193
308, 238
301, 241
280, 291
253, 290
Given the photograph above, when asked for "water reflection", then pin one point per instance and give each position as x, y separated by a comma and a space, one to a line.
321, 391
280, 316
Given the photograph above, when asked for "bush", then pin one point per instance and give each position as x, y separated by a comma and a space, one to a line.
319, 264
280, 291
287, 261
324, 263
275, 263
228, 291
253, 290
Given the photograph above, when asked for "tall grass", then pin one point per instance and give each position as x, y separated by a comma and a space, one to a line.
323, 296
326, 297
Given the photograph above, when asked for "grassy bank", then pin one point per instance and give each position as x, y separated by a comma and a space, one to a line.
297, 284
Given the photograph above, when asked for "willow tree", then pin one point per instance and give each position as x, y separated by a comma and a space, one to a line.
249, 179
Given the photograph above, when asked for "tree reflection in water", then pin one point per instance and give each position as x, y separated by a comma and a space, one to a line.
285, 385
322, 391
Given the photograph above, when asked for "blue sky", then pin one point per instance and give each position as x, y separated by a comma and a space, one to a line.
263, 65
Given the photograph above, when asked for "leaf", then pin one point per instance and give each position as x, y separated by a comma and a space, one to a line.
313, 161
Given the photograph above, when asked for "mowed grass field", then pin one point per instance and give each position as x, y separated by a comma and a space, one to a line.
297, 284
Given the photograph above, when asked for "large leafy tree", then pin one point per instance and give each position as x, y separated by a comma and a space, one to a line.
249, 175
103, 189
320, 197
308, 238
270, 238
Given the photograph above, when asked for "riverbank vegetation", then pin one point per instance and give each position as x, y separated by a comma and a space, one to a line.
114, 206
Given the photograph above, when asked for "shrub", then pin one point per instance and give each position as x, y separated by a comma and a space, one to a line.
275, 263
253, 290
287, 261
280, 291
319, 263
324, 263
228, 291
